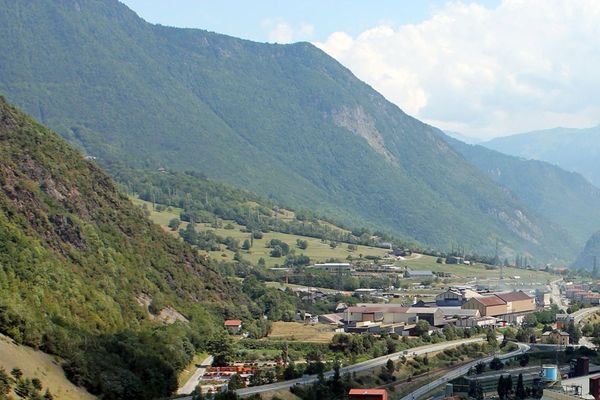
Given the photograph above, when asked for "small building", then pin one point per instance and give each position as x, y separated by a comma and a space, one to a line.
367, 394
455, 260
332, 319
418, 274
233, 325
471, 322
555, 337
334, 267
563, 320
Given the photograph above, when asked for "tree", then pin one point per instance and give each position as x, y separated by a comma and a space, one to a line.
220, 346
302, 244
16, 373
236, 382
501, 387
5, 382
48, 395
422, 327
524, 360
496, 364
479, 368
530, 321
574, 332
389, 366
174, 224
246, 245
520, 393
491, 338
37, 384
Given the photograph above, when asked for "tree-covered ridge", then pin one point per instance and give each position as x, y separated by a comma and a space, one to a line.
288, 122
560, 196
590, 255
76, 256
205, 201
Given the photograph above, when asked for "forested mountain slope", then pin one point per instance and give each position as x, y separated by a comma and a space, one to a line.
589, 252
564, 197
575, 150
285, 121
79, 260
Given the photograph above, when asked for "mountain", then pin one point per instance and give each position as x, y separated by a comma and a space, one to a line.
564, 197
575, 150
285, 121
589, 253
82, 268
463, 138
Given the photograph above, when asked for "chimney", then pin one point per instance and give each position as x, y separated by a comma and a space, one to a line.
582, 368
595, 387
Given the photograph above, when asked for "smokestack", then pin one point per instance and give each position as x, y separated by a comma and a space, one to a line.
595, 387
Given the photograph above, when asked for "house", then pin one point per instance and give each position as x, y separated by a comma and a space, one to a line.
455, 260
367, 394
334, 267
563, 320
556, 337
233, 325
488, 306
392, 314
418, 274
331, 319
542, 297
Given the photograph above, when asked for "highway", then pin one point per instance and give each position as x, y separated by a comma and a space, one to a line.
455, 373
363, 366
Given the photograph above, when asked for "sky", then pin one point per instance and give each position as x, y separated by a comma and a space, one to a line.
482, 68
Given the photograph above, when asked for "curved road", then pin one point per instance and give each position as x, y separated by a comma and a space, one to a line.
455, 373
363, 366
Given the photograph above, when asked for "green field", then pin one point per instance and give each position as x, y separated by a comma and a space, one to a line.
465, 273
317, 250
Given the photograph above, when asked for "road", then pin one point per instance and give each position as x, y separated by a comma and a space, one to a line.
584, 312
460, 371
191, 384
555, 295
363, 366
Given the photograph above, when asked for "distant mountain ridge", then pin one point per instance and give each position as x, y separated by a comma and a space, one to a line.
590, 252
285, 121
559, 195
575, 150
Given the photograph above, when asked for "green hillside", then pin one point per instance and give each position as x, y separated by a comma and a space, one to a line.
285, 121
560, 196
85, 275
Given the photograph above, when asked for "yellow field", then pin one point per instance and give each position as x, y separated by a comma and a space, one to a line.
36, 364
318, 333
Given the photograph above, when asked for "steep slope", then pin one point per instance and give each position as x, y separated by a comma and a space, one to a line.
76, 258
589, 252
288, 122
575, 150
561, 196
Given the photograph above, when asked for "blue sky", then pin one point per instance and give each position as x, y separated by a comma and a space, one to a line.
483, 68
255, 20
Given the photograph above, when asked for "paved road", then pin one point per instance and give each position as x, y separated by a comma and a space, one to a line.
363, 366
584, 312
455, 373
555, 295
191, 384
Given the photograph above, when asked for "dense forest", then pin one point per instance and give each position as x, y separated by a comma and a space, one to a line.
78, 259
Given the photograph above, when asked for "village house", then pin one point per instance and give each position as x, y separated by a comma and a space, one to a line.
555, 337
367, 394
233, 326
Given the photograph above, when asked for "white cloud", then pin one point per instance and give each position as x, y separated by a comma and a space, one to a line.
521, 66
279, 31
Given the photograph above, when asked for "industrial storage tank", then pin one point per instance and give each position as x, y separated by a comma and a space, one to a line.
549, 372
